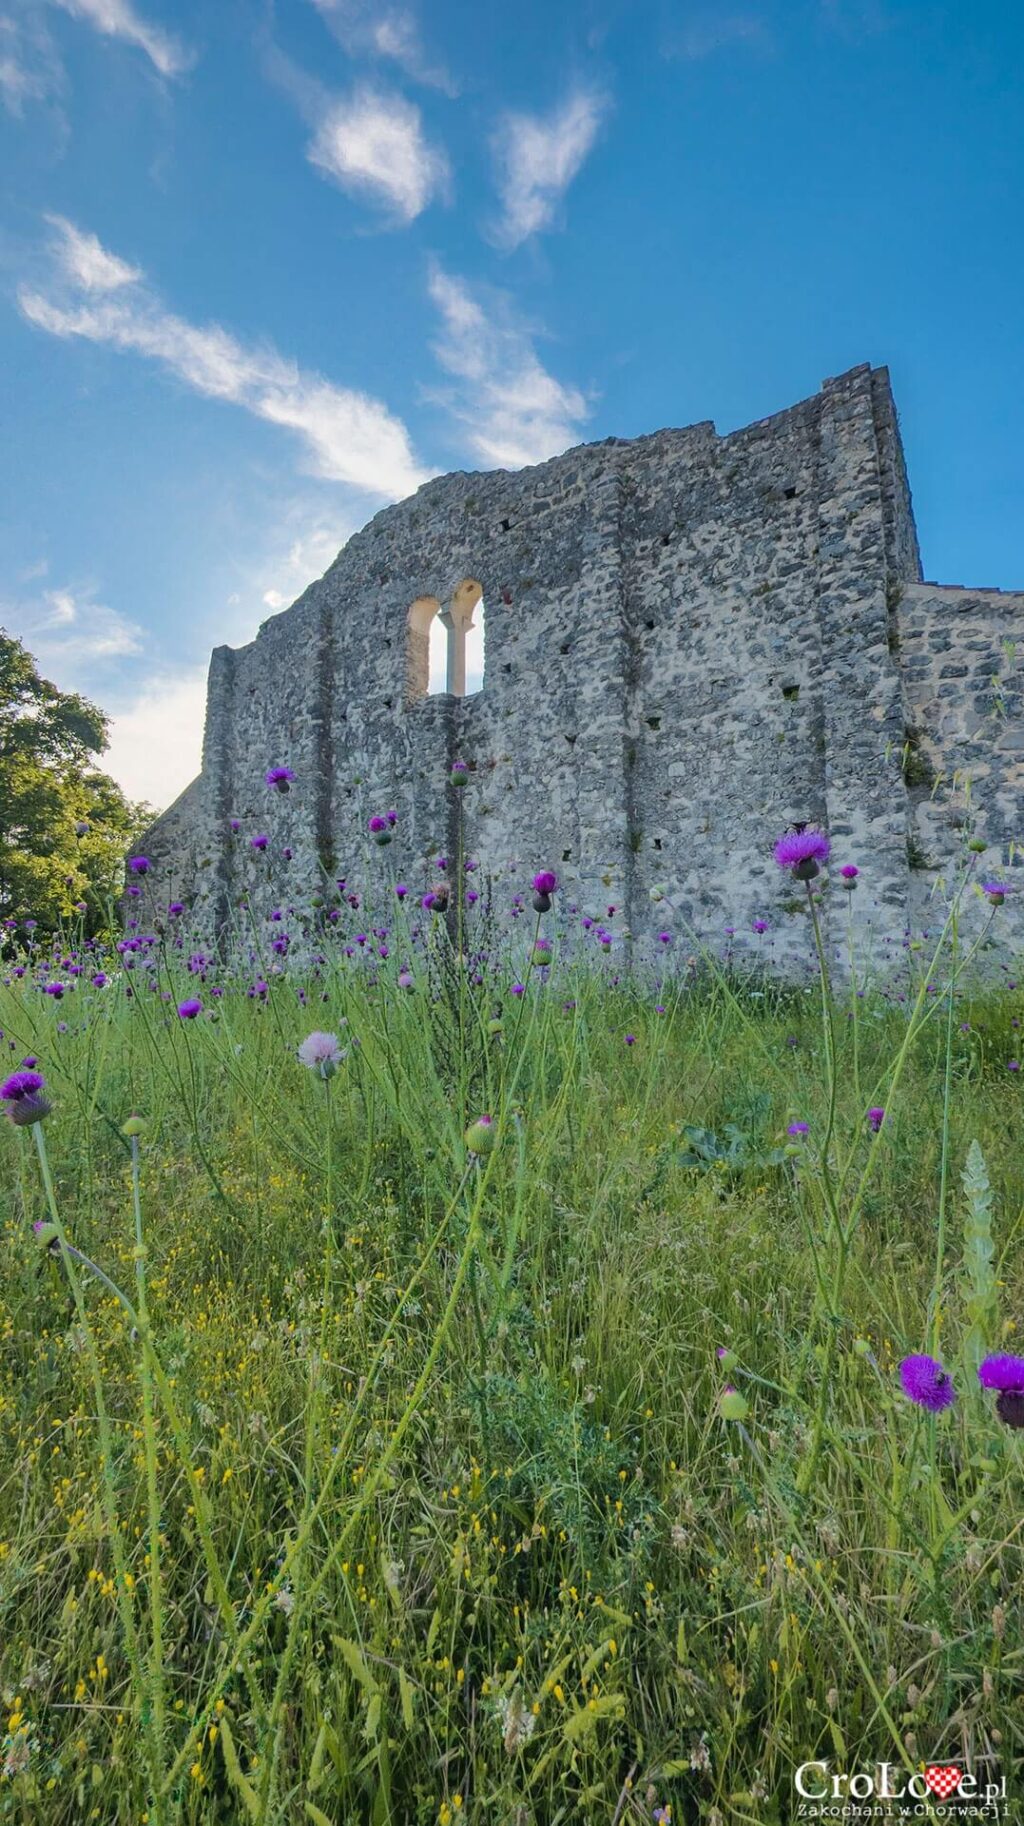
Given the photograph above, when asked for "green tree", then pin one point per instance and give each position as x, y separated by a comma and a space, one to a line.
64, 826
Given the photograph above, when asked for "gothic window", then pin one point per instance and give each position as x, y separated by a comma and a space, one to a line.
444, 647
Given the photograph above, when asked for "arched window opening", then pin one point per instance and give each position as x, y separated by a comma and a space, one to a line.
437, 674
445, 647
459, 621
475, 644
423, 631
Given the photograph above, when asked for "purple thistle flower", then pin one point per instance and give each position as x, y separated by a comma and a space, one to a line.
849, 871
22, 1095
139, 865
175, 909
279, 778
1003, 1372
320, 1052
379, 829
925, 1382
798, 1128
99, 980
801, 852
545, 882
996, 891
259, 842
759, 925
54, 989
235, 824
876, 1117
188, 1010
401, 890
631, 1039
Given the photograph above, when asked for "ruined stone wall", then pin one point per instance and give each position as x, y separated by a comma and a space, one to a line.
962, 662
691, 641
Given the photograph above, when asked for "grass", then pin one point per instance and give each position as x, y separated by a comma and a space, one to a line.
383, 1481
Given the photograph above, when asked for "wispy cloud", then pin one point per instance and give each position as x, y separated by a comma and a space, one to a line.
86, 262
121, 19
71, 633
30, 69
348, 436
537, 157
306, 558
372, 144
366, 29
515, 411
700, 34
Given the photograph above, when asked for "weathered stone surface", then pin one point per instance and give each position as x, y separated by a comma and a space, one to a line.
691, 642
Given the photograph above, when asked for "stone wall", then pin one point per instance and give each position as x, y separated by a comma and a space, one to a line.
691, 641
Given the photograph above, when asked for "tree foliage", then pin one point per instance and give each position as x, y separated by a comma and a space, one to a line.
49, 789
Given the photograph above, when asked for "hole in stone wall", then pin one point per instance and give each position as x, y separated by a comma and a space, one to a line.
437, 648
790, 494
649, 626
566, 855
791, 693
506, 526
654, 722
445, 647
657, 843
565, 646
666, 538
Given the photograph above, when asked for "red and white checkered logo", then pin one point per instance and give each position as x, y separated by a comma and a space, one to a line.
942, 1778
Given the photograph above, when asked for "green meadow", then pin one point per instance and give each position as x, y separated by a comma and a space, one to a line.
351, 1471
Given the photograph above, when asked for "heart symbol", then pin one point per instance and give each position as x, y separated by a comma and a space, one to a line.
942, 1779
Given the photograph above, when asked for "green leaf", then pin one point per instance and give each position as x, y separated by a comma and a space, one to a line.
981, 1298
353, 1659
233, 1768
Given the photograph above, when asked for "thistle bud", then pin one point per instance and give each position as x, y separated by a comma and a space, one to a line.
135, 1125
732, 1405
46, 1235
481, 1135
459, 774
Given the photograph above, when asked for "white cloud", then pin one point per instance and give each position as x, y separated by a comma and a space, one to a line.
703, 33
516, 412
349, 437
87, 262
372, 144
156, 738
306, 558
537, 158
71, 634
120, 19
368, 29
30, 69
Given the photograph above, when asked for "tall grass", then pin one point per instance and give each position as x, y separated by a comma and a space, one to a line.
350, 1474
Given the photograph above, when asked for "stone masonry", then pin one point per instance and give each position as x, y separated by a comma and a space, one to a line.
691, 642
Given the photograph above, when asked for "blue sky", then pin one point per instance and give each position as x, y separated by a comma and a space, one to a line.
263, 267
